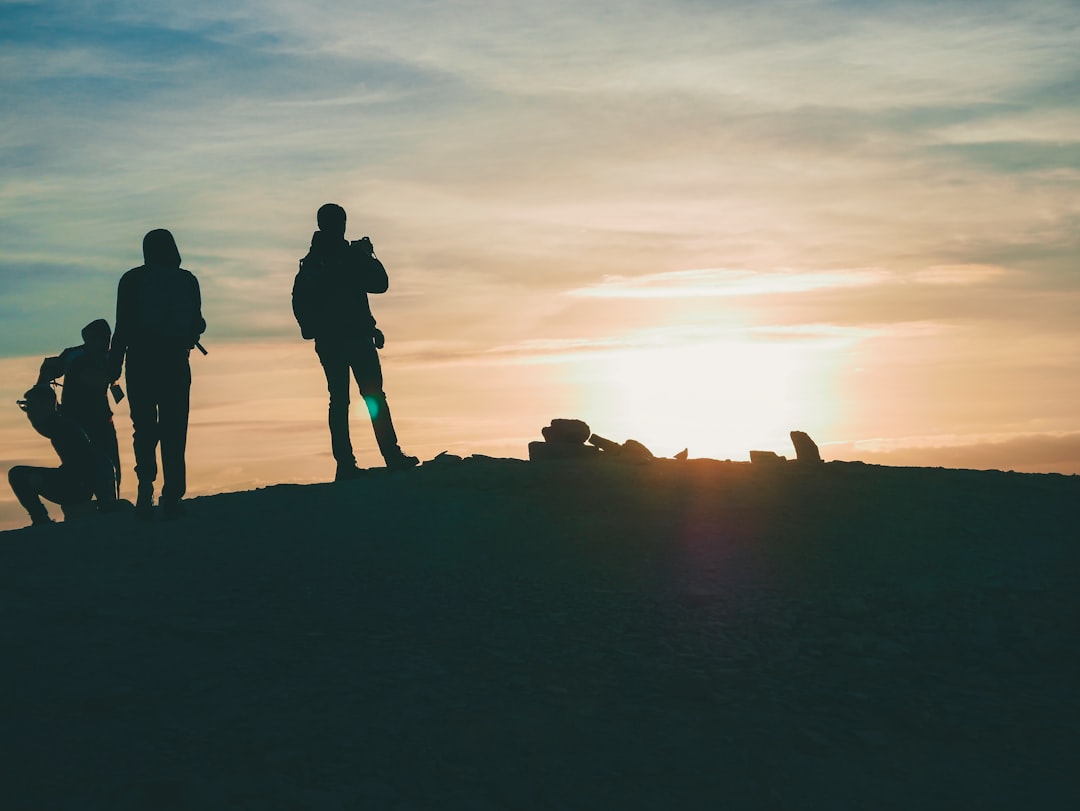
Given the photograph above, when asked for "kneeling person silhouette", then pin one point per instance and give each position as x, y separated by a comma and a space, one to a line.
84, 399
68, 485
330, 302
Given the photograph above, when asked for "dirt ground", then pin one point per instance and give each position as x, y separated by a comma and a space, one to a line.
510, 635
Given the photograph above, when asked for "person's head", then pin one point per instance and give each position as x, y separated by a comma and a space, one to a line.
159, 248
96, 335
39, 403
331, 219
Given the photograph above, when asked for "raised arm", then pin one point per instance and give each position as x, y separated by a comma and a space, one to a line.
372, 272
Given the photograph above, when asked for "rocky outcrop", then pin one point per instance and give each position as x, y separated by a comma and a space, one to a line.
634, 451
806, 450
543, 451
563, 439
571, 432
566, 439
766, 458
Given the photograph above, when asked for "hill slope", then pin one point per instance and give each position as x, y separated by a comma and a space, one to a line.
503, 634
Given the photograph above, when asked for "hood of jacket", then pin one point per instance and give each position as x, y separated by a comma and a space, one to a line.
159, 248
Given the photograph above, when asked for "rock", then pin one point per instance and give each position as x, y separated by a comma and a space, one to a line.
542, 451
766, 458
569, 431
630, 451
634, 451
444, 458
565, 439
606, 445
683, 455
806, 450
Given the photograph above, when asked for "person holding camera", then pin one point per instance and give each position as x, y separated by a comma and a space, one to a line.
330, 302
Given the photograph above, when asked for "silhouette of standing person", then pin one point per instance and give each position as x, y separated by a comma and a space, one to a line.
158, 322
330, 302
70, 484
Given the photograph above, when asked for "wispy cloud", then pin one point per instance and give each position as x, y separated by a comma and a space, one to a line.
958, 274
673, 339
724, 282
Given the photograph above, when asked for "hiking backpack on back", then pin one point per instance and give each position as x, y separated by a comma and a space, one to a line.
306, 296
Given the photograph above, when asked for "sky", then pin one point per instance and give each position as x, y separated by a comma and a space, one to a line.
697, 224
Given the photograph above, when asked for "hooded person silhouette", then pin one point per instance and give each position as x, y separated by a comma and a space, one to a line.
330, 302
158, 322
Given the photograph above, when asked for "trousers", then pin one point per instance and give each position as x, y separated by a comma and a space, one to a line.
102, 436
31, 484
362, 360
159, 393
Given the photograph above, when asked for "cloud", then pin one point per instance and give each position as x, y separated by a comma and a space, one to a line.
1020, 452
958, 274
725, 282
722, 282
1018, 156
684, 338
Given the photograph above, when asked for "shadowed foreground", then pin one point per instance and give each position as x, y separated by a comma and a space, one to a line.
502, 634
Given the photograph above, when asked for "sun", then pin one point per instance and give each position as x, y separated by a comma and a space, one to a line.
719, 398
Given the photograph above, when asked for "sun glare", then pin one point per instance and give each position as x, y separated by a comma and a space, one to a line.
719, 399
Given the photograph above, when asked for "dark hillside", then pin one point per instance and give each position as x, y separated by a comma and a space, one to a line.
503, 634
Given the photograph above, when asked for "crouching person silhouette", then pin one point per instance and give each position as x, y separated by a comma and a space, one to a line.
330, 302
84, 399
70, 484
158, 322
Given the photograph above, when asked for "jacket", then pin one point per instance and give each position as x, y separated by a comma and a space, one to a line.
330, 292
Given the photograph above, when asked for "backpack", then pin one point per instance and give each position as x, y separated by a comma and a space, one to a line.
307, 300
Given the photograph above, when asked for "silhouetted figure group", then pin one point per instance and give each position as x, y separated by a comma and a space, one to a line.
158, 322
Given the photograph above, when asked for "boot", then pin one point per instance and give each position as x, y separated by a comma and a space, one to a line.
348, 472
144, 505
400, 461
173, 507
40, 518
